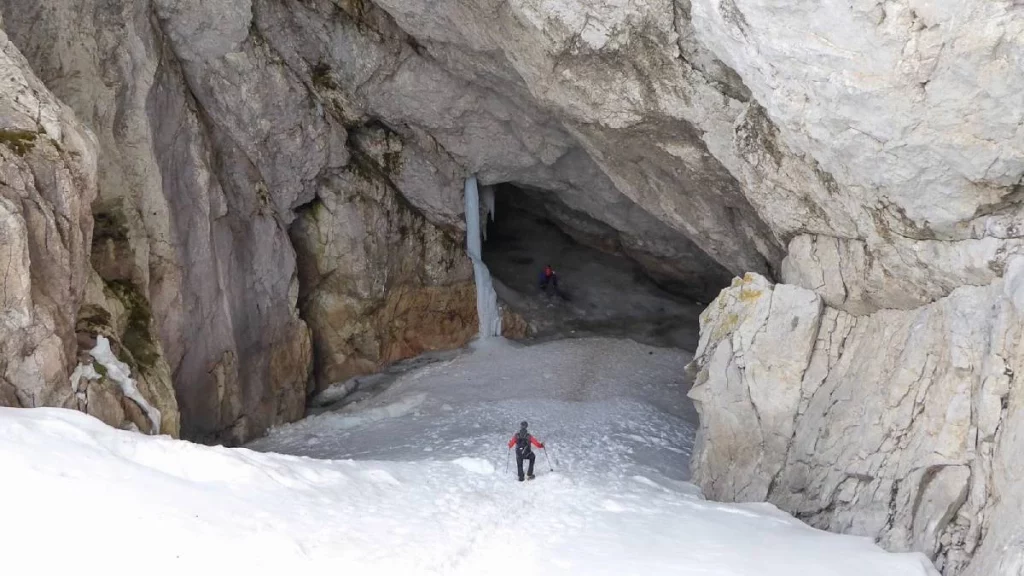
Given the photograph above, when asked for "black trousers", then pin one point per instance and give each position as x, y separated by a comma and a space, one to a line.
527, 455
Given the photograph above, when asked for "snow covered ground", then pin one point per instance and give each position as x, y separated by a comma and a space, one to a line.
422, 488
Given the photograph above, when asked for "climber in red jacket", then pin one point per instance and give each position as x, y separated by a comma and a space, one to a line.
548, 277
523, 440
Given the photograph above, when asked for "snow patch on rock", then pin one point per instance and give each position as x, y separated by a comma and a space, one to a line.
120, 373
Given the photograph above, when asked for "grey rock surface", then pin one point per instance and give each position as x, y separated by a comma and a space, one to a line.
47, 181
378, 283
891, 425
186, 210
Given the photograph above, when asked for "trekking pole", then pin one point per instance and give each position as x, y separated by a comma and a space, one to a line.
548, 458
507, 456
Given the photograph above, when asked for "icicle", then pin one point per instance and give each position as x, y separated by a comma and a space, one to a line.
486, 299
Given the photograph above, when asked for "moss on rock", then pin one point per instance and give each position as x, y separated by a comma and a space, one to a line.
321, 76
20, 142
138, 337
109, 225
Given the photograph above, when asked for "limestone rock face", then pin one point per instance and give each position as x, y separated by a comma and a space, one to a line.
378, 283
54, 303
47, 181
195, 197
894, 425
680, 111
213, 137
118, 312
472, 85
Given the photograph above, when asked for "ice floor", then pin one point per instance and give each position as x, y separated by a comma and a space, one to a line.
417, 484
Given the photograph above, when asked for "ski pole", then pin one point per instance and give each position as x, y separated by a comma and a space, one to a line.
507, 456
548, 459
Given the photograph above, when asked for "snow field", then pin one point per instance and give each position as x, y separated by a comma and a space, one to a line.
422, 488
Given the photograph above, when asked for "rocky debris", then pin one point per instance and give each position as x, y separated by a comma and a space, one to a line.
889, 425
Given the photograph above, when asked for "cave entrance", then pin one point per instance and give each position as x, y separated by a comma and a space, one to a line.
606, 293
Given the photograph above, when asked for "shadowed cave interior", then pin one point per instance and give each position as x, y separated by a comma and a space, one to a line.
602, 291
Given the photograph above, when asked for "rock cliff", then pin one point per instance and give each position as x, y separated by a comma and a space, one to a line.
47, 182
278, 206
900, 425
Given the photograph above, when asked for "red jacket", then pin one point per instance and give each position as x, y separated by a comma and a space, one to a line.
533, 441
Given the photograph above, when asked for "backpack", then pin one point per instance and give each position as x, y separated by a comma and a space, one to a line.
522, 441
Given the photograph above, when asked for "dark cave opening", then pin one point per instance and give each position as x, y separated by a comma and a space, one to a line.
602, 290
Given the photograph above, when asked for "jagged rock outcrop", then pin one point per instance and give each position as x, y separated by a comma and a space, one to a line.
54, 304
115, 310
209, 143
47, 181
891, 425
377, 282
184, 216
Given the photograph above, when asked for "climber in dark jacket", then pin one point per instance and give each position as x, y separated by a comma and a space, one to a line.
523, 441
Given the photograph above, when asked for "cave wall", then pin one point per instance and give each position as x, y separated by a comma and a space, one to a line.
377, 282
209, 144
53, 304
47, 163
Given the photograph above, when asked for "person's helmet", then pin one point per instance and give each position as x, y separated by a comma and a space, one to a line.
522, 424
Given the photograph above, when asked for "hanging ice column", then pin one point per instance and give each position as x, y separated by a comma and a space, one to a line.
486, 299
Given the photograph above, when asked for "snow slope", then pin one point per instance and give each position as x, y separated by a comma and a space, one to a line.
425, 492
